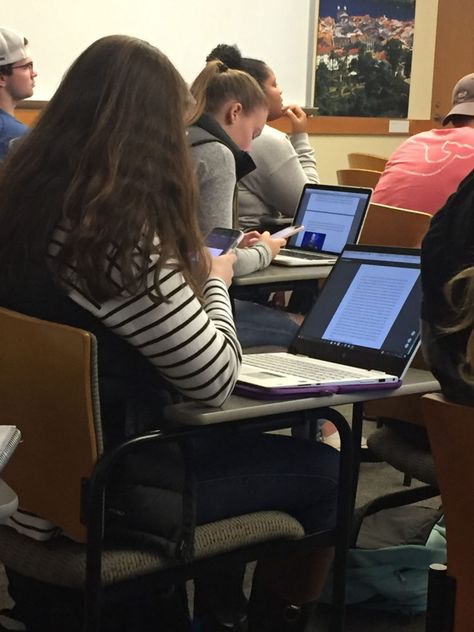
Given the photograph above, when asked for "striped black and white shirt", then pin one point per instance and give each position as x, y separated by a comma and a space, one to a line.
193, 345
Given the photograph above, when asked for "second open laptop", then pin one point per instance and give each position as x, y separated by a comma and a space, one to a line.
361, 333
332, 216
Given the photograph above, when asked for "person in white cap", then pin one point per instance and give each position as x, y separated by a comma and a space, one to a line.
17, 80
427, 168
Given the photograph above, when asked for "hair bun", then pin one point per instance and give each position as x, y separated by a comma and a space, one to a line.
229, 55
221, 67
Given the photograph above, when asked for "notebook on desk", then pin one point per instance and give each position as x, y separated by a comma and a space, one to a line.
361, 333
332, 216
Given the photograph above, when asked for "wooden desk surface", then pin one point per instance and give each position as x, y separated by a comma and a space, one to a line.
237, 407
282, 274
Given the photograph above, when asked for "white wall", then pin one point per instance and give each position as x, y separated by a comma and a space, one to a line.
186, 30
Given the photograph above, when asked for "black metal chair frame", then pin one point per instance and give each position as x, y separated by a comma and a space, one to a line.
339, 536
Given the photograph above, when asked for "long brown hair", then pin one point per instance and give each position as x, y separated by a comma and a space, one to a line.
216, 84
109, 157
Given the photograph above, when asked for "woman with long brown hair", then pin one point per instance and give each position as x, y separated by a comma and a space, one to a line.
98, 230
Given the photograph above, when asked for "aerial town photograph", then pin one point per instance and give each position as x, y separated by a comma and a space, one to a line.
363, 57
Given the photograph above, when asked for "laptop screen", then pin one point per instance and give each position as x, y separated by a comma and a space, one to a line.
331, 215
368, 312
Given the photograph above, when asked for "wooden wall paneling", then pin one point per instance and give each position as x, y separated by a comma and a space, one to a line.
454, 53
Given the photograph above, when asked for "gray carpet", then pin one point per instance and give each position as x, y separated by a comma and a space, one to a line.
375, 479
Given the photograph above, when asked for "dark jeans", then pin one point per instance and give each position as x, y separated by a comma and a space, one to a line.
261, 325
249, 473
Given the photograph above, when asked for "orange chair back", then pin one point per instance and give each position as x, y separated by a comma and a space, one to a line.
451, 432
358, 177
45, 390
391, 226
366, 161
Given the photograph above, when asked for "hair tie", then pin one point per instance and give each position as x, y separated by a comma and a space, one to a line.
221, 67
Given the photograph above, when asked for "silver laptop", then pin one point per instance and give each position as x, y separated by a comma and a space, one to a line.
332, 216
361, 333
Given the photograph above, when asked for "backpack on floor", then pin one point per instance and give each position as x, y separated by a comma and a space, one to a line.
388, 566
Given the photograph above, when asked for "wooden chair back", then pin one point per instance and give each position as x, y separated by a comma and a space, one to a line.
451, 432
45, 390
391, 226
358, 177
366, 161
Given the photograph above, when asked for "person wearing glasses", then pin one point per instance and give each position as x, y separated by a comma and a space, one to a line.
17, 80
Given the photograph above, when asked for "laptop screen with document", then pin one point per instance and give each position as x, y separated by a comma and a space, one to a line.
332, 216
368, 311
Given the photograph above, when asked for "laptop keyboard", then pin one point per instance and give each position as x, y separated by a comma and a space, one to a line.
303, 255
294, 365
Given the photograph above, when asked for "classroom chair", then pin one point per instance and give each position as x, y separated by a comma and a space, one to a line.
391, 226
358, 177
49, 389
450, 430
366, 161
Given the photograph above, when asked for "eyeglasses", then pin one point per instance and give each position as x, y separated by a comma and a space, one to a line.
28, 66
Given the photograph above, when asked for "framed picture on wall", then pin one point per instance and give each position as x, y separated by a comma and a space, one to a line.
363, 57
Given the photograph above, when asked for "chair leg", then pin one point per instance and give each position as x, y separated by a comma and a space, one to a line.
441, 600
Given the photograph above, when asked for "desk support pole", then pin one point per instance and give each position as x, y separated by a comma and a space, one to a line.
345, 504
357, 420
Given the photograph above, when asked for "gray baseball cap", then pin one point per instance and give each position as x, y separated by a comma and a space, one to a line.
463, 98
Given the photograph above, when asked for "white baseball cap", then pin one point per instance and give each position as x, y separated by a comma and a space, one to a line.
12, 46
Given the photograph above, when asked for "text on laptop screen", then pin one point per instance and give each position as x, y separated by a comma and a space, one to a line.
328, 217
371, 301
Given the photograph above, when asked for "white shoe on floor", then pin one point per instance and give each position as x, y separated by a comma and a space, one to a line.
335, 442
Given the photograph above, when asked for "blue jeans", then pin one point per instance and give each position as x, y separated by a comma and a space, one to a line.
248, 473
261, 325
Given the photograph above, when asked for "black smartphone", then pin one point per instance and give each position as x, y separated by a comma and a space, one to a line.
221, 240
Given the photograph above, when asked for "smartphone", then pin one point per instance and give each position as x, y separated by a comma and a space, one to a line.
221, 240
284, 233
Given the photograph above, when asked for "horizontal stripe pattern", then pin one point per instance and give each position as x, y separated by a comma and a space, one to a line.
193, 345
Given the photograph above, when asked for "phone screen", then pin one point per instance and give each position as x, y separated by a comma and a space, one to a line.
287, 232
220, 240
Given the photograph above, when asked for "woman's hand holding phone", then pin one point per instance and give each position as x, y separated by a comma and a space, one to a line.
250, 239
222, 267
273, 244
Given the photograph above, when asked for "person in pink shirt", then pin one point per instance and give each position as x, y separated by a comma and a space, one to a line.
426, 168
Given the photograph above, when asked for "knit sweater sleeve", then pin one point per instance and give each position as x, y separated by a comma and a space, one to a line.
194, 346
284, 165
215, 168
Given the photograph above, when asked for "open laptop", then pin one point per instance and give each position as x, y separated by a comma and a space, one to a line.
332, 216
361, 333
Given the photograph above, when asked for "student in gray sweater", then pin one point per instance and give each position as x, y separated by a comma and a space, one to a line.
284, 163
231, 111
